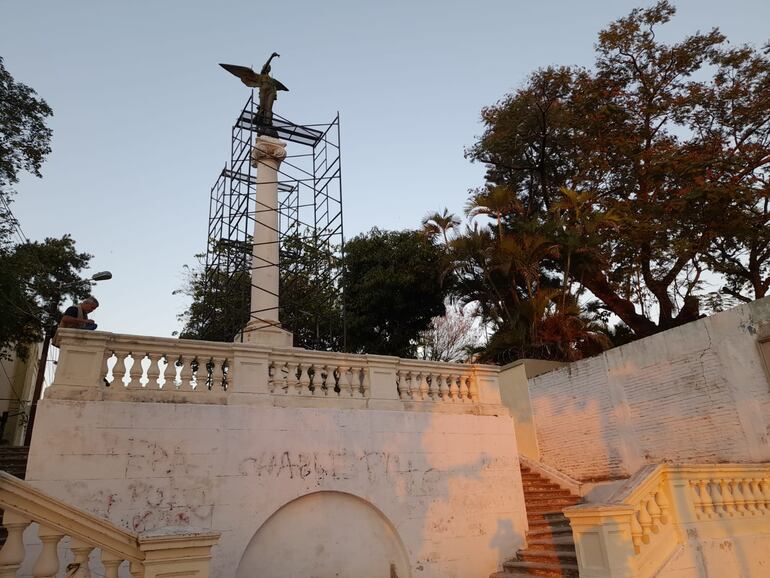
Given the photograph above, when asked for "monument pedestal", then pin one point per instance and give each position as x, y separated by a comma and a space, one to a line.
260, 333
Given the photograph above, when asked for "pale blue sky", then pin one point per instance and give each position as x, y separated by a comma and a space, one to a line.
143, 112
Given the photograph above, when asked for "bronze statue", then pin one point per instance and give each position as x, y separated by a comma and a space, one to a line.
268, 90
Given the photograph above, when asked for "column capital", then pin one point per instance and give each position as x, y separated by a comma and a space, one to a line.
267, 148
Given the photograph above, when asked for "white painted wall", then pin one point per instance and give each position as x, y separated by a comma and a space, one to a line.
448, 484
694, 394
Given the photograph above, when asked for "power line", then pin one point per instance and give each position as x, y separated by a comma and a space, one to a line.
13, 220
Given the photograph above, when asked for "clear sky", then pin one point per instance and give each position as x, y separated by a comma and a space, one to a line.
142, 112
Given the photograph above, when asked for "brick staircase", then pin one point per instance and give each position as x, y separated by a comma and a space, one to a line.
550, 548
13, 459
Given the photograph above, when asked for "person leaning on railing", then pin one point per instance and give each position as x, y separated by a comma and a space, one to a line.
76, 316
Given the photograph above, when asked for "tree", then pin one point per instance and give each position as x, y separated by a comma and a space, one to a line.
671, 140
36, 278
310, 299
24, 137
395, 283
453, 337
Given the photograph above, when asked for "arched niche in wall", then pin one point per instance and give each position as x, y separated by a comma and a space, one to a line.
325, 535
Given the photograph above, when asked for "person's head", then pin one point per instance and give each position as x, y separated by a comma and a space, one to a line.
89, 304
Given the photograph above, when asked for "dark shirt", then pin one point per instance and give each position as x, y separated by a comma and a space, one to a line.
73, 312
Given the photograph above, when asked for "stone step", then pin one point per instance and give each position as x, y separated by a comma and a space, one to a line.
541, 494
545, 514
559, 542
542, 569
505, 574
548, 524
560, 557
557, 501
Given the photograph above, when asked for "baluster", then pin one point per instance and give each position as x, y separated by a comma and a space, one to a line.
323, 376
79, 567
363, 381
707, 504
285, 378
111, 565
169, 372
751, 506
454, 389
637, 533
443, 387
291, 377
119, 372
473, 388
727, 496
766, 492
663, 504
716, 497
185, 375
196, 374
415, 378
756, 492
337, 379
740, 499
432, 385
698, 499
303, 379
105, 371
654, 511
401, 385
153, 371
218, 375
646, 521
464, 389
12, 552
346, 379
47, 564
134, 373
422, 388
271, 371
143, 362
312, 379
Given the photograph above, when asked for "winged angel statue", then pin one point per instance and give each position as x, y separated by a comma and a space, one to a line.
268, 87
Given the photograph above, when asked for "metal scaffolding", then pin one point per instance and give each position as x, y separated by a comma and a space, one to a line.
311, 240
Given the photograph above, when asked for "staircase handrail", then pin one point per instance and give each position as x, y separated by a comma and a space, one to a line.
181, 552
18, 496
647, 518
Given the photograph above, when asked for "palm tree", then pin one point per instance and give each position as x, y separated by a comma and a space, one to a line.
440, 223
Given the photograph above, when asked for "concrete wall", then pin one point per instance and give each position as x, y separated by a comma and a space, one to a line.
514, 392
739, 556
446, 486
695, 394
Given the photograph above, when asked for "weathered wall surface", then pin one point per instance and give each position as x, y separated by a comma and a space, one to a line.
448, 484
739, 556
695, 394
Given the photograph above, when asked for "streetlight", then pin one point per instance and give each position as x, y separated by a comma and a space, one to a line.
99, 276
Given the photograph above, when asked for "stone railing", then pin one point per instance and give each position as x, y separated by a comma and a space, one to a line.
97, 365
47, 537
637, 530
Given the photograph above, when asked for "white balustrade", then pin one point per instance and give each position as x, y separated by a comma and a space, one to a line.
186, 555
98, 365
657, 507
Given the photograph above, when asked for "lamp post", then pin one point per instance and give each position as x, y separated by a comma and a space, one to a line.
100, 276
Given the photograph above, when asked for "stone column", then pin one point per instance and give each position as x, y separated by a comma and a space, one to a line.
264, 326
